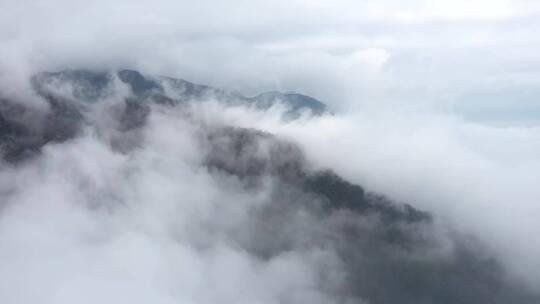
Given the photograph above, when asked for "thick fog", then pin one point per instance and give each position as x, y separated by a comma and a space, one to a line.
433, 124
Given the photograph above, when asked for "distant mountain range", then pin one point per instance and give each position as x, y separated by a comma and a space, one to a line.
89, 86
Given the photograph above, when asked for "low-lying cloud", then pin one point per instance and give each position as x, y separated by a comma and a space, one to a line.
481, 178
112, 199
205, 202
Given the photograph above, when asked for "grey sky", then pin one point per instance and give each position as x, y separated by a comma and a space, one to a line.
460, 55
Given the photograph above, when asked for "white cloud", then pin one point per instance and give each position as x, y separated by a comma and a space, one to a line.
400, 59
477, 178
83, 223
438, 48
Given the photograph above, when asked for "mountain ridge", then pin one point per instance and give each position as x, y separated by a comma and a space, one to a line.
89, 84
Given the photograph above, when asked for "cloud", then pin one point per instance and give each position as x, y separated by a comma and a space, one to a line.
202, 209
441, 52
131, 215
475, 177
85, 223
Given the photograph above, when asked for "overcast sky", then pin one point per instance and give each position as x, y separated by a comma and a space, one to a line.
476, 57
